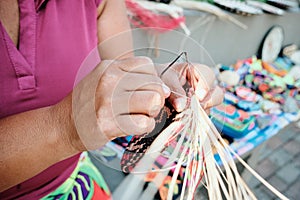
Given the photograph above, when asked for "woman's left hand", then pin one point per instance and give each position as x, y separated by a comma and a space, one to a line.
201, 78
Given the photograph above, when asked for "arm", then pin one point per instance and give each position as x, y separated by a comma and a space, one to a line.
115, 42
45, 136
38, 138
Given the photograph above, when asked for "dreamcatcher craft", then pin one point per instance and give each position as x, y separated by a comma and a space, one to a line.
189, 139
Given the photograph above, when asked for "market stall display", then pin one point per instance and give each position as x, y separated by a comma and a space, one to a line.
273, 101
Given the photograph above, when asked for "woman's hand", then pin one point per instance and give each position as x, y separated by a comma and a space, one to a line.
200, 77
118, 98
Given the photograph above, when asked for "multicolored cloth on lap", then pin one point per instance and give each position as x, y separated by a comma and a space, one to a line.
85, 182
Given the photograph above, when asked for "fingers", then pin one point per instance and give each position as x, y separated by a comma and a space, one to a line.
178, 96
202, 79
130, 94
142, 65
136, 124
139, 102
213, 98
140, 82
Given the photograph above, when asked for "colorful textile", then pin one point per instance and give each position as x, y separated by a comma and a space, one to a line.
84, 183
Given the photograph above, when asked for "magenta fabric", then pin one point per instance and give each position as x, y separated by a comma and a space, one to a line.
55, 38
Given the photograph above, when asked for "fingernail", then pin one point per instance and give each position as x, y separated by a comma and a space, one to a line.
180, 104
166, 90
200, 93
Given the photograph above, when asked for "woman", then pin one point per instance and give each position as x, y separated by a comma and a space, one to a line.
44, 121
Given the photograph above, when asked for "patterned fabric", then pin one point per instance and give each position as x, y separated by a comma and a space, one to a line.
85, 182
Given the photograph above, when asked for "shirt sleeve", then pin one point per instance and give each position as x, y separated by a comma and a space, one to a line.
97, 2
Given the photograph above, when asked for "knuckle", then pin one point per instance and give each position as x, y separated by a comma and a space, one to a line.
205, 70
110, 76
155, 99
144, 60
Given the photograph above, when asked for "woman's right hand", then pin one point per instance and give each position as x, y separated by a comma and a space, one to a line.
117, 98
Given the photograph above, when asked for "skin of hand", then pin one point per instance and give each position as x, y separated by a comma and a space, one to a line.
120, 97
130, 94
200, 77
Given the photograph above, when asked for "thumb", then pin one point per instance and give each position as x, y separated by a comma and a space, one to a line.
178, 97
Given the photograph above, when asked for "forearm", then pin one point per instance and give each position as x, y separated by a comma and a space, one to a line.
114, 32
34, 140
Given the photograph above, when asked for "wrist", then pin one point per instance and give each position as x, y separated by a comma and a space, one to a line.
84, 110
65, 129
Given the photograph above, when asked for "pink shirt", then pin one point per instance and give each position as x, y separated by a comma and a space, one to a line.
55, 37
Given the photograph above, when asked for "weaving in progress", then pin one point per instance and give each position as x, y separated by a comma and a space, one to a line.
185, 148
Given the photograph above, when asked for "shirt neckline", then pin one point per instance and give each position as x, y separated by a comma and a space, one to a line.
39, 4
23, 57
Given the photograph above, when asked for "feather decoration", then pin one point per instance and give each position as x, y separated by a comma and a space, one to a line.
144, 14
173, 11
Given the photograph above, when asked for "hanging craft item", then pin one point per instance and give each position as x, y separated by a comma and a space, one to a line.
238, 7
161, 1
271, 44
207, 7
157, 16
188, 140
283, 4
266, 7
